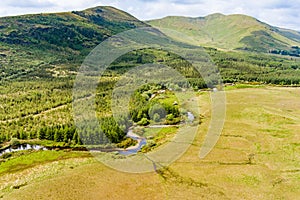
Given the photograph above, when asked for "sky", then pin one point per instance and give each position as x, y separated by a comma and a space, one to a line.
281, 13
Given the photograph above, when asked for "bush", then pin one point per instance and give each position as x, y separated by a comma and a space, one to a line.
127, 143
171, 120
144, 122
149, 146
170, 117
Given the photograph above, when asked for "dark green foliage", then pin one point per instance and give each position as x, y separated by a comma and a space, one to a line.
124, 122
58, 133
112, 130
109, 132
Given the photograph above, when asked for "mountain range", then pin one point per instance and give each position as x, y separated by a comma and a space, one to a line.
79, 30
60, 41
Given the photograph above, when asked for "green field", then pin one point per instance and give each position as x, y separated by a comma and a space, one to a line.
256, 157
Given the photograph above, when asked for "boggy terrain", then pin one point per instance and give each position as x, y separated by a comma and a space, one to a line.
257, 156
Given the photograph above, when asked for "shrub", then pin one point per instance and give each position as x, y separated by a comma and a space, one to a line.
127, 143
144, 122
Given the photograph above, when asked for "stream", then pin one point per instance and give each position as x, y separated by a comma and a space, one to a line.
22, 147
142, 141
129, 151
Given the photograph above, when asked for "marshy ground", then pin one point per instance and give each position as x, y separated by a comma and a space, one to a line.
256, 157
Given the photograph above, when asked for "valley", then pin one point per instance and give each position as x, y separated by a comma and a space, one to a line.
257, 155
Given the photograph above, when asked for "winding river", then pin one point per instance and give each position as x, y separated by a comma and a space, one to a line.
129, 151
142, 141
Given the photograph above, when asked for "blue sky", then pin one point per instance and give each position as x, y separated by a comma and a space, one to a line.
282, 13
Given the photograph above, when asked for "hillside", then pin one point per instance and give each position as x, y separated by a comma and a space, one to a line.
29, 44
231, 32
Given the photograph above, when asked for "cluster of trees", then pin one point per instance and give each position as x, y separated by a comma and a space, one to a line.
143, 109
59, 133
233, 66
144, 56
19, 134
115, 129
25, 96
294, 51
109, 131
267, 69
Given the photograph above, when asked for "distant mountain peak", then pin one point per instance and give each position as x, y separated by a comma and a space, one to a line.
215, 15
72, 33
230, 32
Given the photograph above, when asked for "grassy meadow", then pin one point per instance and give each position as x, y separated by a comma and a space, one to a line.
256, 157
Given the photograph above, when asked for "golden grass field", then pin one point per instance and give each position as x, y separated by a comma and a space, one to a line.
256, 157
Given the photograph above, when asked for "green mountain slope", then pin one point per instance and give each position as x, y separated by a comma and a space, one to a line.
30, 44
40, 54
230, 32
291, 34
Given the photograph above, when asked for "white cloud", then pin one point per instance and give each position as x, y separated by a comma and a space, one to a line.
27, 3
282, 13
